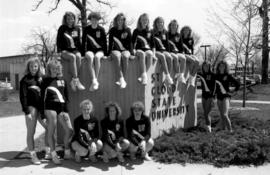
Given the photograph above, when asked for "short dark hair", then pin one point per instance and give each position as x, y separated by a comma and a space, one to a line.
95, 15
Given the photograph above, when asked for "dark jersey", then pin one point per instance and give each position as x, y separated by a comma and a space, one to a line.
175, 43
85, 130
138, 130
142, 39
188, 45
112, 131
30, 92
94, 39
223, 83
208, 84
68, 39
160, 40
120, 40
54, 90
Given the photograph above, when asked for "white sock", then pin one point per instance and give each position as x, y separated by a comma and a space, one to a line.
54, 153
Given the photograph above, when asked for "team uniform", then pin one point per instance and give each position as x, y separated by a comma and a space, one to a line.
86, 134
94, 39
86, 131
160, 40
223, 83
120, 40
175, 43
188, 45
68, 39
30, 93
208, 84
55, 94
112, 131
142, 39
138, 130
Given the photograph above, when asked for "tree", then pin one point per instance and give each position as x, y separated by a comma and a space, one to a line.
263, 9
241, 30
42, 42
82, 5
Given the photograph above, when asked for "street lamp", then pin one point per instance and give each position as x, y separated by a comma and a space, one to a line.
205, 46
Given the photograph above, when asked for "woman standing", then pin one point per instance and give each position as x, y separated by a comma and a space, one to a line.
223, 83
120, 47
55, 94
31, 102
95, 44
69, 45
208, 84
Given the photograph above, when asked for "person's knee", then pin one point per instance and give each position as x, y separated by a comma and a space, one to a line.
125, 144
125, 55
116, 54
140, 53
99, 145
149, 144
89, 56
98, 56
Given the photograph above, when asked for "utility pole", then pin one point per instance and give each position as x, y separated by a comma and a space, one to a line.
205, 46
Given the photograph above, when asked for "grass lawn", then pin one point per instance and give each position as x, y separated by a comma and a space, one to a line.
249, 144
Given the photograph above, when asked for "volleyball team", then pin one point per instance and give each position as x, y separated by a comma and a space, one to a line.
44, 98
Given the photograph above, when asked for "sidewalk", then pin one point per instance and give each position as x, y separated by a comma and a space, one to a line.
12, 143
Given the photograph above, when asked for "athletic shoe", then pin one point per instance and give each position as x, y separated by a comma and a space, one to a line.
79, 85
48, 156
94, 86
34, 159
147, 157
144, 79
168, 79
208, 128
78, 158
73, 84
56, 160
122, 83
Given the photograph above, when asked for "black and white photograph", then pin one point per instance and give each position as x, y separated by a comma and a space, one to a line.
130, 87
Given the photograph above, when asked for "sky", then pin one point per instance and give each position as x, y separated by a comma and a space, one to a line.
18, 19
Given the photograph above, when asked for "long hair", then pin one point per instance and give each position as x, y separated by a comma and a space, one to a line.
139, 23
54, 64
136, 105
226, 70
170, 25
31, 61
117, 108
155, 28
182, 32
120, 15
209, 67
64, 20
